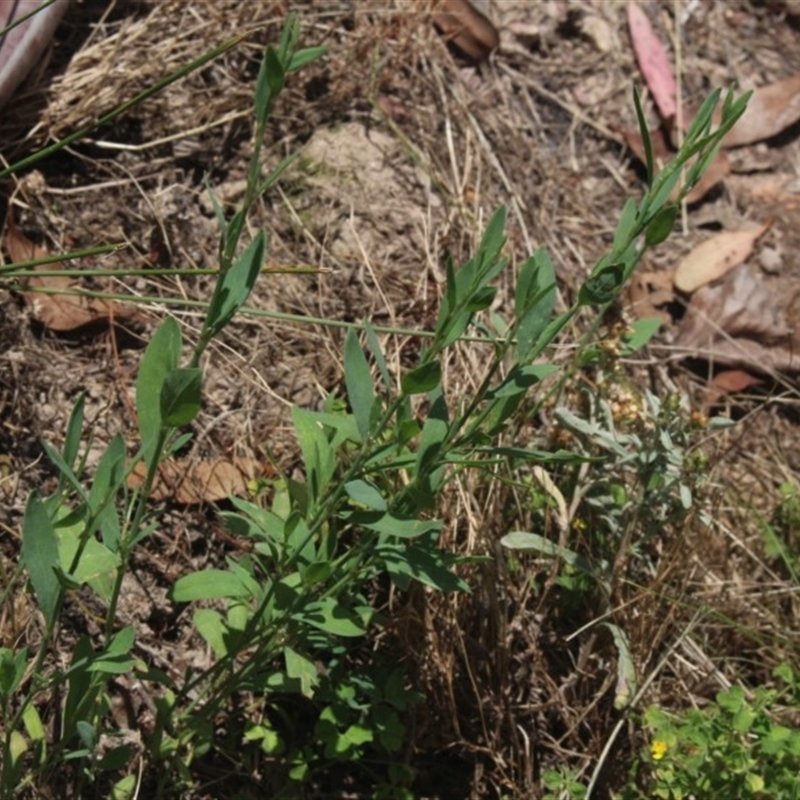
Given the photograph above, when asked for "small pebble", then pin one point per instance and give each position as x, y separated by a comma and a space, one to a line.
771, 260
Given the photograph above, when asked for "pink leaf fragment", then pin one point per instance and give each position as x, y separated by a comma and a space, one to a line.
654, 61
22, 46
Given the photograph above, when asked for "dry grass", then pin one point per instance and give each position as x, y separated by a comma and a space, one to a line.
517, 676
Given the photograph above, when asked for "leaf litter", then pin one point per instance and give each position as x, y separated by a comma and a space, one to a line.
55, 300
483, 136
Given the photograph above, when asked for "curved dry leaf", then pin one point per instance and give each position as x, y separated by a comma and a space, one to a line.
714, 258
654, 61
466, 28
191, 482
770, 111
742, 321
56, 309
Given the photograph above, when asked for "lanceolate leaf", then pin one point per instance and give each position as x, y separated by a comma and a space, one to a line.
358, 379
40, 555
329, 616
212, 584
160, 358
422, 379
534, 300
234, 286
181, 396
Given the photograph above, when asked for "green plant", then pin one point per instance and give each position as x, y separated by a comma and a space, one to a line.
562, 784
780, 534
735, 747
86, 531
633, 474
285, 621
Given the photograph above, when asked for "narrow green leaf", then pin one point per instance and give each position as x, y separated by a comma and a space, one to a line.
12, 670
493, 237
66, 476
425, 565
316, 572
263, 94
87, 734
422, 379
234, 287
671, 176
275, 73
698, 169
481, 299
303, 57
626, 227
643, 331
456, 326
113, 759
301, 669
40, 556
181, 396
160, 358
645, 134
521, 378
542, 456
377, 354
98, 564
274, 174
329, 616
534, 543
534, 300
385, 523
366, 494
290, 36
116, 665
703, 116
212, 584
434, 432
319, 454
109, 478
660, 227
358, 380
74, 434
218, 212
209, 624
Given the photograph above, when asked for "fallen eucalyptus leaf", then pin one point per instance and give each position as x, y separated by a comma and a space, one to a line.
715, 257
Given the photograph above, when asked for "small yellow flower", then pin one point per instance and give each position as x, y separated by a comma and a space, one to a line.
658, 749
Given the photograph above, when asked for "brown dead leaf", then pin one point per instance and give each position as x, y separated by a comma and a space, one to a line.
191, 482
466, 28
715, 257
741, 322
732, 381
771, 110
648, 293
61, 312
727, 382
765, 188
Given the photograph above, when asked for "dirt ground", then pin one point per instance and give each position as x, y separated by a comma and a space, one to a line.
406, 147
